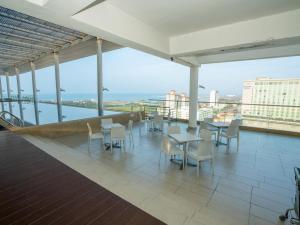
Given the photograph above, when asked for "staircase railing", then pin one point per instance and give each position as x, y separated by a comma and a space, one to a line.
11, 118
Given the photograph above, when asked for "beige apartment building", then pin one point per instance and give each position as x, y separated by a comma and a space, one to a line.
275, 99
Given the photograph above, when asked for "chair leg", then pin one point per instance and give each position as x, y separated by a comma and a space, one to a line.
159, 158
132, 140
238, 142
212, 165
228, 143
111, 147
102, 143
129, 138
89, 143
198, 168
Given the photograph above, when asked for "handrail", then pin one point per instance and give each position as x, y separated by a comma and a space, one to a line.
228, 103
2, 116
13, 99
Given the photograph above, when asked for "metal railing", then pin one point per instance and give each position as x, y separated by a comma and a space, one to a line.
11, 119
268, 116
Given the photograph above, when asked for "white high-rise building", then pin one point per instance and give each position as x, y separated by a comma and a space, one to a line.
178, 104
272, 99
213, 98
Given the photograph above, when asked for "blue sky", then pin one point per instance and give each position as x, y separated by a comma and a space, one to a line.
130, 71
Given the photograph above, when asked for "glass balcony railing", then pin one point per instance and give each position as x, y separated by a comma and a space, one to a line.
263, 116
274, 117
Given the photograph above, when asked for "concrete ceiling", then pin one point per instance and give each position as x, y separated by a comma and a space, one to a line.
186, 31
174, 17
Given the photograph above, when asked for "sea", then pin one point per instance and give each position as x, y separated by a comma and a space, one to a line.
108, 97
48, 112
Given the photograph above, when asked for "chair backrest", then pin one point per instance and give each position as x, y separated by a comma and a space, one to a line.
174, 130
165, 144
140, 116
208, 120
158, 118
132, 115
203, 125
90, 129
154, 113
106, 121
233, 128
206, 149
206, 146
205, 135
118, 132
169, 115
130, 125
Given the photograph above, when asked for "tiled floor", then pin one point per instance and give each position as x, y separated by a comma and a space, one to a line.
251, 186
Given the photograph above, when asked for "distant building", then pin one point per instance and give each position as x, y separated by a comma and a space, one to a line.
267, 91
213, 98
205, 113
178, 104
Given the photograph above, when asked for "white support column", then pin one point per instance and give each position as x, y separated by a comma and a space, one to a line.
1, 96
58, 89
8, 92
19, 93
35, 100
193, 96
99, 77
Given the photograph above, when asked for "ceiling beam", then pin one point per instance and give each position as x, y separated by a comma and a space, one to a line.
266, 30
264, 53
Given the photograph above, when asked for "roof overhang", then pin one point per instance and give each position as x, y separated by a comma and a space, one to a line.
269, 28
25, 39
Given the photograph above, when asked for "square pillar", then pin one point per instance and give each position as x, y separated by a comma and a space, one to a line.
1, 96
8, 92
193, 103
35, 101
19, 93
58, 89
99, 77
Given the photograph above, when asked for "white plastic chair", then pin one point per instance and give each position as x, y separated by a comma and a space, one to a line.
173, 130
233, 131
130, 132
204, 150
143, 122
169, 149
158, 122
106, 121
118, 134
168, 120
205, 125
92, 136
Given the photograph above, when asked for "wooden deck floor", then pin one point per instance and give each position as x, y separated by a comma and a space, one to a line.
35, 188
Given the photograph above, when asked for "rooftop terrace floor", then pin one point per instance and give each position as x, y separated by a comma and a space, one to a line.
37, 189
252, 186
